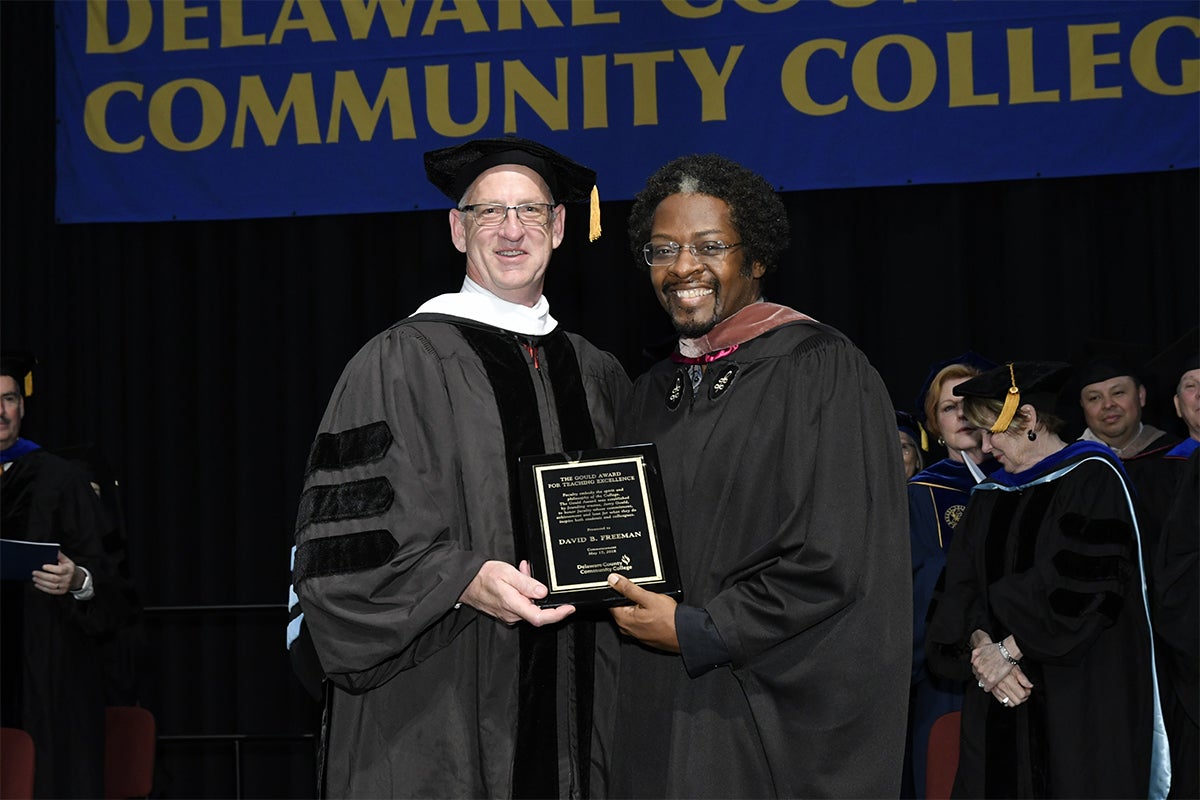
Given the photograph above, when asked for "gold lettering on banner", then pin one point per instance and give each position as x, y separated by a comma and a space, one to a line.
960, 56
312, 20
595, 92
693, 10
233, 28
1020, 70
548, 91
175, 15
794, 78
1143, 58
865, 73
393, 93
141, 19
95, 117
360, 14
540, 12
645, 82
583, 12
212, 115
1081, 40
550, 107
299, 101
437, 100
712, 82
466, 12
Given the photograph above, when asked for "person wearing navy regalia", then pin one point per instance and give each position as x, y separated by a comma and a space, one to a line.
937, 497
57, 618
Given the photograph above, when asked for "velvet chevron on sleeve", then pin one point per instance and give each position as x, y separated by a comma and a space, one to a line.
1052, 557
409, 490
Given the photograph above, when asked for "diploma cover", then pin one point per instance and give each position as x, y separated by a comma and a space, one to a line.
19, 559
590, 513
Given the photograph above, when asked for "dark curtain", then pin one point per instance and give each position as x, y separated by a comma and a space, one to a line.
197, 357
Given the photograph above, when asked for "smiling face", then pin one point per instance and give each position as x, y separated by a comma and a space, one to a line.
1012, 447
1187, 401
509, 259
1113, 408
695, 294
12, 410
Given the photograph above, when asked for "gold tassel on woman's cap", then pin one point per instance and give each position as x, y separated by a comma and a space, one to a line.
1011, 403
594, 217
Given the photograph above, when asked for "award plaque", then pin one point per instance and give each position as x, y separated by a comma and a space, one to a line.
594, 512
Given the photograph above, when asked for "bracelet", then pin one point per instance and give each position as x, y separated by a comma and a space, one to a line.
1004, 652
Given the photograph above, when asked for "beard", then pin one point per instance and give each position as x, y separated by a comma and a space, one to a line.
691, 328
694, 322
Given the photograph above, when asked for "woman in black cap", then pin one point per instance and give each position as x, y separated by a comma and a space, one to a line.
1044, 610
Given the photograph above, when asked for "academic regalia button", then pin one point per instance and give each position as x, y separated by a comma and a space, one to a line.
675, 396
722, 383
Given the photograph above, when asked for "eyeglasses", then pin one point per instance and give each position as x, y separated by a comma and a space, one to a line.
664, 254
489, 215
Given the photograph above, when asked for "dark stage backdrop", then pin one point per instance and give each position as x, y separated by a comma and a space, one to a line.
197, 358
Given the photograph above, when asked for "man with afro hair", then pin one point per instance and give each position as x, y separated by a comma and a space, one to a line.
784, 671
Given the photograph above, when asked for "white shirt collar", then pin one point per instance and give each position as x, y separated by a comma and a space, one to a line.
477, 303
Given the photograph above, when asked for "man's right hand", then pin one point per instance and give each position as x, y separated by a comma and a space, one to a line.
506, 593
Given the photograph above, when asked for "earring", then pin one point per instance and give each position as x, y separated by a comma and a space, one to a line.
1032, 435
941, 441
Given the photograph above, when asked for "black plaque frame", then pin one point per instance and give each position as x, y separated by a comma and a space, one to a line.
589, 513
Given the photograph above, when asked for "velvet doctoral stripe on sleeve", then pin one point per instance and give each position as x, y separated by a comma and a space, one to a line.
431, 700
1051, 557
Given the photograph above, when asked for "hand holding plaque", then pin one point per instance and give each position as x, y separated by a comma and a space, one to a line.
595, 512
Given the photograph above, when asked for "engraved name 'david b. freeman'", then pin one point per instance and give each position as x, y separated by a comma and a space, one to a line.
604, 537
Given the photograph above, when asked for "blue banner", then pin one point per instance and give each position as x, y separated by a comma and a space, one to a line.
187, 109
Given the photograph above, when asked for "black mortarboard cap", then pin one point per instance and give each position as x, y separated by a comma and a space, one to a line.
1180, 356
1037, 383
1103, 360
1163, 373
970, 358
19, 365
907, 423
452, 169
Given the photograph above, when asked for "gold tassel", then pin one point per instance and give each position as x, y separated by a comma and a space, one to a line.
28, 384
594, 217
1011, 403
924, 438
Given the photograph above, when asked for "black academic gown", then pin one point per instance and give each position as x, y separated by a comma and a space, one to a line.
1176, 585
789, 519
410, 487
52, 671
1155, 475
1051, 556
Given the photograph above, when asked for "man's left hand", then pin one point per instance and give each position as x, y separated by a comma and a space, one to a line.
58, 578
651, 620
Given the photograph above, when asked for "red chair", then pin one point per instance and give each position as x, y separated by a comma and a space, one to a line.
16, 764
128, 752
942, 760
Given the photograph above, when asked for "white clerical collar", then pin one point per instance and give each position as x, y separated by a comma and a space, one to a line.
477, 303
